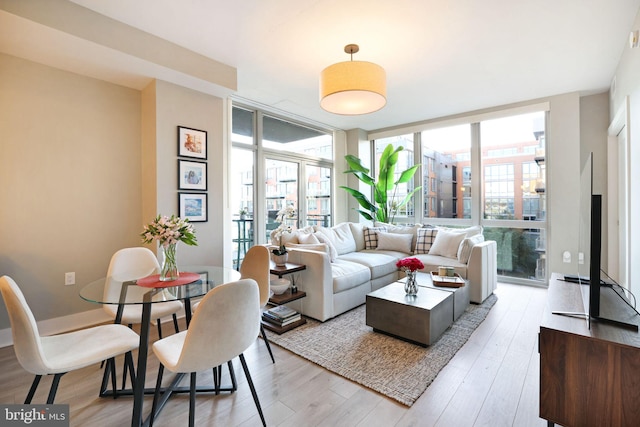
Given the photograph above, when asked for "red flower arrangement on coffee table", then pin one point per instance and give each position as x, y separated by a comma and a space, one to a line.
410, 264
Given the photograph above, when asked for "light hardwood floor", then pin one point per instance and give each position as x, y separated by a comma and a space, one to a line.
492, 381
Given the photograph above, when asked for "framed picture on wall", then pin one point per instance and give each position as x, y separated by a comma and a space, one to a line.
192, 143
193, 206
192, 175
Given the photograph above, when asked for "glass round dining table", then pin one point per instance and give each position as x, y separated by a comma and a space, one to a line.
110, 290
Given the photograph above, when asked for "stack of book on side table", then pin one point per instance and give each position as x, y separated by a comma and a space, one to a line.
281, 316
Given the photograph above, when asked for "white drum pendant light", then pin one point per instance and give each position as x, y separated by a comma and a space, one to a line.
353, 87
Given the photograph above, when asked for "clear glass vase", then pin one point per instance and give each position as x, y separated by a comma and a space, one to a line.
169, 269
410, 285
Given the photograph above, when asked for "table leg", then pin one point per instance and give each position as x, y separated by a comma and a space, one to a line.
138, 389
187, 311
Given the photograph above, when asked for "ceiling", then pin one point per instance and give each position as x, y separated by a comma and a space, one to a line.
441, 57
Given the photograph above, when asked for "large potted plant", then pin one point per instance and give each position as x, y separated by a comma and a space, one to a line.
384, 207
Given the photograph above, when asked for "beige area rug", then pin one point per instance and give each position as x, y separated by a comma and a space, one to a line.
395, 368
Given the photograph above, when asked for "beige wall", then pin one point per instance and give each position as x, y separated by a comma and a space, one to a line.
70, 189
165, 107
83, 165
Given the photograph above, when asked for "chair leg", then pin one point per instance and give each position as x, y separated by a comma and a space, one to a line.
156, 395
105, 377
266, 341
232, 374
175, 323
159, 329
128, 361
32, 390
218, 375
125, 368
114, 383
54, 388
253, 388
192, 400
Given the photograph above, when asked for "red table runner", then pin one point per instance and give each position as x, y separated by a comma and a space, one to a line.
153, 281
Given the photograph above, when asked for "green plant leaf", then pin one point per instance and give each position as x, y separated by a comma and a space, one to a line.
407, 198
355, 164
381, 208
407, 175
361, 198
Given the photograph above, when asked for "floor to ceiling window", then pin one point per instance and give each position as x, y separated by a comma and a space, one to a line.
487, 172
292, 161
514, 209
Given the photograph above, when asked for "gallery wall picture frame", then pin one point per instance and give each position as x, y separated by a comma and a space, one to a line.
193, 206
192, 143
192, 175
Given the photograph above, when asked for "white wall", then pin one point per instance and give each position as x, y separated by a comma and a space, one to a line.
627, 87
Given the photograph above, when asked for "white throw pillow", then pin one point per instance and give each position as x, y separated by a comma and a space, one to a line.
401, 229
424, 240
474, 231
318, 247
394, 242
464, 251
333, 252
371, 237
447, 242
341, 237
308, 239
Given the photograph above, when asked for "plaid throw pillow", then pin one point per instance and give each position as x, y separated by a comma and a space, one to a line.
425, 239
371, 237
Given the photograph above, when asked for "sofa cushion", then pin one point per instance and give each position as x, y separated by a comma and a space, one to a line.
380, 263
447, 242
291, 237
424, 240
357, 230
371, 236
333, 252
340, 236
401, 229
395, 242
320, 247
308, 239
464, 251
347, 275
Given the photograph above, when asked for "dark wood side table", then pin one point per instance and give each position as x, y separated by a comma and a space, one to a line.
285, 297
288, 268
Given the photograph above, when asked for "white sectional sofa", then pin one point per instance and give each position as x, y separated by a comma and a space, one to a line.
346, 262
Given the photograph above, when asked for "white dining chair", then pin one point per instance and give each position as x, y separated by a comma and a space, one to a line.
59, 354
131, 264
224, 326
256, 266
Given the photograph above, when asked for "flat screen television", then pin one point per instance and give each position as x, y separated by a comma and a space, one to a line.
590, 246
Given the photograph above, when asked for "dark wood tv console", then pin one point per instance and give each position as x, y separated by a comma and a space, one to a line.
588, 377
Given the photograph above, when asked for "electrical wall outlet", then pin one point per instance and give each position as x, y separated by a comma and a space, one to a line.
70, 278
566, 257
580, 258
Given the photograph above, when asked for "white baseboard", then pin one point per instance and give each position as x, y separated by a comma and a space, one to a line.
62, 324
